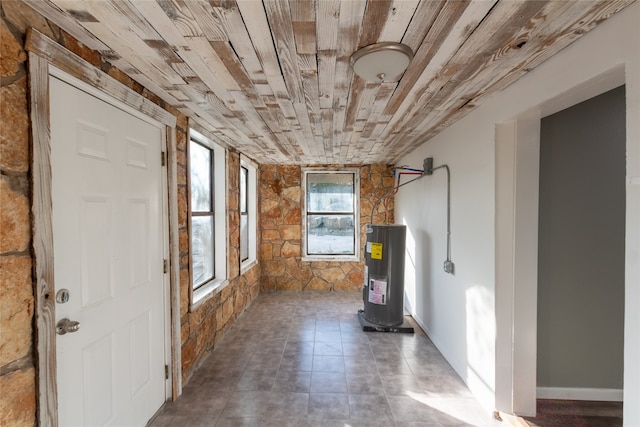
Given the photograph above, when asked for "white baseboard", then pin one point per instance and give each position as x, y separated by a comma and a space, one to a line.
597, 394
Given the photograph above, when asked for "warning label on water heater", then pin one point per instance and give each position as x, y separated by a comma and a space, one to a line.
376, 250
378, 291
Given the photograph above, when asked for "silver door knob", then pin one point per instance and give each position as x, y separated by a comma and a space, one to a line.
65, 325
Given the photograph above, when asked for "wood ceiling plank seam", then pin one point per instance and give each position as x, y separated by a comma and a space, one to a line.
254, 17
326, 70
202, 47
375, 16
265, 127
228, 122
453, 26
247, 113
359, 87
199, 92
122, 36
62, 19
236, 69
303, 10
339, 111
208, 19
204, 127
421, 22
368, 99
326, 119
349, 25
327, 24
125, 11
303, 118
179, 95
282, 31
323, 158
182, 17
382, 98
305, 37
158, 19
134, 50
286, 105
240, 41
400, 14
311, 97
184, 70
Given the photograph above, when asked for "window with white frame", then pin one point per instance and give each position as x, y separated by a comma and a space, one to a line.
330, 214
207, 223
248, 213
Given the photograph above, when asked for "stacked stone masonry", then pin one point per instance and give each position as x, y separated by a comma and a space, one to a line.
17, 367
280, 250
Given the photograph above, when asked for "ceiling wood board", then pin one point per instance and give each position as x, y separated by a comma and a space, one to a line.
273, 80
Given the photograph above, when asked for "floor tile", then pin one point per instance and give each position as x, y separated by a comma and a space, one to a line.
295, 381
328, 336
328, 364
296, 362
369, 407
256, 380
328, 406
328, 349
328, 382
266, 404
369, 384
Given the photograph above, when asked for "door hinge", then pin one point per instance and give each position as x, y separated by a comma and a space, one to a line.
165, 266
166, 372
164, 158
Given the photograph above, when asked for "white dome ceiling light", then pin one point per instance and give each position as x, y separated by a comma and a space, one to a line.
381, 62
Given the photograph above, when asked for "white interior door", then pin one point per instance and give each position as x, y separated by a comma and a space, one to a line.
108, 253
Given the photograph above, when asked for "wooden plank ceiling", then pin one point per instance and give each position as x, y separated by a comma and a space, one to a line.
272, 78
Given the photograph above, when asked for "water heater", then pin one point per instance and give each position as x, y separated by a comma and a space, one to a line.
383, 292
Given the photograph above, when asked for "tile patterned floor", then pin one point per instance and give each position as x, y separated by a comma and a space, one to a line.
301, 359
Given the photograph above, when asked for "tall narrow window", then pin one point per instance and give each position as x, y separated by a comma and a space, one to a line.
248, 213
244, 214
331, 221
202, 213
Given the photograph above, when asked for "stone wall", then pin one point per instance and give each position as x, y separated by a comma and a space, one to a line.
280, 195
17, 366
201, 328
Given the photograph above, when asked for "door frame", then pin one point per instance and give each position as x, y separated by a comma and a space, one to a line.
49, 59
517, 148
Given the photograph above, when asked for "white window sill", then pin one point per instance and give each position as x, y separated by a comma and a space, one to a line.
206, 291
334, 258
247, 265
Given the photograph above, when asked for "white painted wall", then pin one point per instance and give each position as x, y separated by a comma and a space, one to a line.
494, 171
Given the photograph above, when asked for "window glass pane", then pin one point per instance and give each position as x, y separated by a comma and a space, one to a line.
244, 172
330, 192
330, 235
202, 249
244, 237
200, 167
